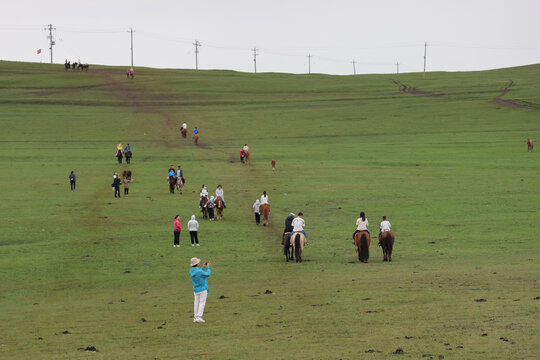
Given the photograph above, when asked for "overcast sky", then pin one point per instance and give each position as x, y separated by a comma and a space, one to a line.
461, 34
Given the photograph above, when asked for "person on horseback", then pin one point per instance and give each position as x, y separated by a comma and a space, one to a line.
384, 227
184, 126
264, 198
128, 154
119, 146
298, 224
361, 224
127, 148
288, 223
219, 194
180, 174
195, 131
203, 194
245, 148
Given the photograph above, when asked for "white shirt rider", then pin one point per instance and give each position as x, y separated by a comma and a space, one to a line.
204, 192
184, 126
385, 226
245, 148
361, 225
298, 224
264, 199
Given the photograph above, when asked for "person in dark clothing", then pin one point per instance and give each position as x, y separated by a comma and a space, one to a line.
119, 155
116, 185
288, 223
72, 180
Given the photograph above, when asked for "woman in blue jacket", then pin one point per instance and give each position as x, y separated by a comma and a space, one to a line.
199, 278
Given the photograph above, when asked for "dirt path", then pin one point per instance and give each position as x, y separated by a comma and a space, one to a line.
515, 103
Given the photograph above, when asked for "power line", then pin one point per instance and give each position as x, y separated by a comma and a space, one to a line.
255, 58
51, 39
131, 31
197, 44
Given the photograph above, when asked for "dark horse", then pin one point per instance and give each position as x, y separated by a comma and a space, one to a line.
83, 67
362, 240
67, 65
172, 184
204, 207
386, 239
287, 246
128, 155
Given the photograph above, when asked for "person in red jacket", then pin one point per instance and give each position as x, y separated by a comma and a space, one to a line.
177, 229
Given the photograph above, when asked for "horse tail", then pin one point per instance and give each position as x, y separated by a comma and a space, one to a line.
297, 248
364, 247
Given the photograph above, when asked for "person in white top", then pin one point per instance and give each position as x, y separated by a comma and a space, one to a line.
184, 126
219, 193
264, 198
245, 148
298, 224
256, 211
384, 227
203, 193
361, 224
193, 227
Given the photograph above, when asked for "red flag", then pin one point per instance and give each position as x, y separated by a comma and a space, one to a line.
39, 51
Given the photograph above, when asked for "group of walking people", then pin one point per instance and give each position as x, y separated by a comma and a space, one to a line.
122, 152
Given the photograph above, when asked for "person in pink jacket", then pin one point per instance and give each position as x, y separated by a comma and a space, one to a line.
177, 229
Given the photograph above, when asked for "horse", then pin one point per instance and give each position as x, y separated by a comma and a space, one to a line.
74, 65
179, 185
247, 159
184, 132
362, 241
119, 155
530, 145
219, 207
204, 208
298, 245
128, 155
83, 67
172, 184
126, 174
196, 138
288, 250
386, 239
67, 65
265, 211
273, 164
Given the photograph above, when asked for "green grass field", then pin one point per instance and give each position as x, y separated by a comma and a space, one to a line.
446, 164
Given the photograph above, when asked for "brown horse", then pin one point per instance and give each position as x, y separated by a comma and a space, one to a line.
184, 132
530, 145
386, 239
273, 165
298, 241
362, 241
172, 184
219, 207
265, 212
196, 138
247, 159
204, 208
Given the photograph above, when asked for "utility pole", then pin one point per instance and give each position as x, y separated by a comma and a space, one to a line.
131, 31
309, 63
354, 66
425, 52
397, 67
197, 44
51, 39
255, 58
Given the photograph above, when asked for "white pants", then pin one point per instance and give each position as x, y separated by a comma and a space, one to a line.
199, 303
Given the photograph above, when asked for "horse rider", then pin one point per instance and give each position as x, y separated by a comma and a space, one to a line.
195, 131
180, 174
219, 194
288, 223
264, 198
245, 148
361, 224
127, 148
203, 194
172, 169
298, 224
385, 226
119, 146
184, 126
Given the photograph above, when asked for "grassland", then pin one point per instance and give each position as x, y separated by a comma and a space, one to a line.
445, 163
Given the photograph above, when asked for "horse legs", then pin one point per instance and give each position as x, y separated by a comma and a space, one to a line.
365, 248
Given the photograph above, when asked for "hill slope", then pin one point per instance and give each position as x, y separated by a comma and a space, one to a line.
444, 158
